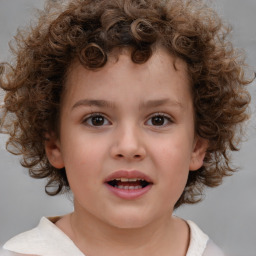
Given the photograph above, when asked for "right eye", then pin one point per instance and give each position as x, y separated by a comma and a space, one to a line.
96, 120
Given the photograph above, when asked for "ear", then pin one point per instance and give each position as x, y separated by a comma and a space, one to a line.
53, 151
199, 150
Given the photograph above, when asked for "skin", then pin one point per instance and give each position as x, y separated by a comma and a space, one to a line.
128, 138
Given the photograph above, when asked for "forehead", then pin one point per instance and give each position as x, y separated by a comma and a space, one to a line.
161, 72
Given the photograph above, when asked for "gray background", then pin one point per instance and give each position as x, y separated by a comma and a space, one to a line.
228, 212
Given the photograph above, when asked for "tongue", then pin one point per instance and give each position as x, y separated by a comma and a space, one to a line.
134, 183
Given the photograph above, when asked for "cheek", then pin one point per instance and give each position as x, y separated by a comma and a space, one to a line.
82, 162
79, 148
174, 153
175, 172
172, 160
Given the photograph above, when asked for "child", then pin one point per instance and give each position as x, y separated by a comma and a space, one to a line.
134, 106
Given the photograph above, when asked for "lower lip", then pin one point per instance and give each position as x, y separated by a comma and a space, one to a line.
129, 194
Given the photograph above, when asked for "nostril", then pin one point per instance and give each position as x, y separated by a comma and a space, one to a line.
134, 156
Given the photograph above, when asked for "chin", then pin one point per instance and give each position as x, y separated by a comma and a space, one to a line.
129, 224
130, 220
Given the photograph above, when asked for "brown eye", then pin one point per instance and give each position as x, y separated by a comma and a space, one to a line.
96, 120
159, 120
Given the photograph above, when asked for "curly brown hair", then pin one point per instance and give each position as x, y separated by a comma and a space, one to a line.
89, 30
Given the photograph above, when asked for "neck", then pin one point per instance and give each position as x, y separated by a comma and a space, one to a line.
165, 236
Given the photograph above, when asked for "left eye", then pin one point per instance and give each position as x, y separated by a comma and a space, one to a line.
96, 120
159, 120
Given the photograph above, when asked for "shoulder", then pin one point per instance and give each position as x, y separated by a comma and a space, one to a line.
29, 239
45, 239
212, 250
9, 253
200, 244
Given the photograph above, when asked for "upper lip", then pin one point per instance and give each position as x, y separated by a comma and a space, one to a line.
128, 175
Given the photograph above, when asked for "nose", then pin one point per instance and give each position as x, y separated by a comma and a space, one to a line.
128, 144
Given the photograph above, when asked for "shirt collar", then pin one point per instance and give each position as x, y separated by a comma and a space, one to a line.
48, 240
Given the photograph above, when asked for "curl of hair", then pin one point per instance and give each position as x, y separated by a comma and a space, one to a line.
89, 30
92, 56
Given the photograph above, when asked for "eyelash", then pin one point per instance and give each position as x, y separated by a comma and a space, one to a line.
89, 120
167, 119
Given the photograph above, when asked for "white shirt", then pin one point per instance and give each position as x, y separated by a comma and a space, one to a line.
48, 240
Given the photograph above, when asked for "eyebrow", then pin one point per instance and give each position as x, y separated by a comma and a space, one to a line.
160, 102
109, 104
97, 103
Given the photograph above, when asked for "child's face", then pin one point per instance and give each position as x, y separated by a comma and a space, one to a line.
127, 121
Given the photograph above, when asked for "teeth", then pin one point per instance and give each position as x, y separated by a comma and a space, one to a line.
128, 187
128, 180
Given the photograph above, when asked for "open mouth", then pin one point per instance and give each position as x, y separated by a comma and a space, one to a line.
129, 184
